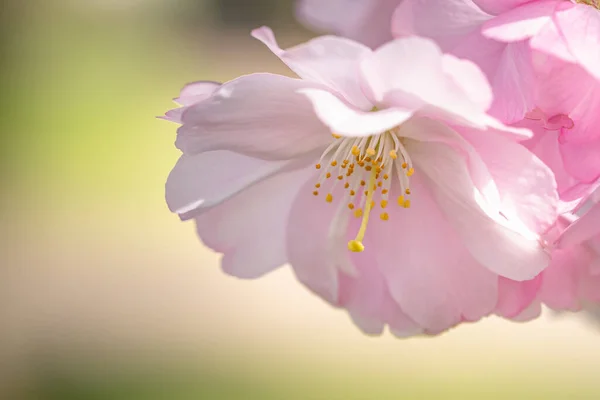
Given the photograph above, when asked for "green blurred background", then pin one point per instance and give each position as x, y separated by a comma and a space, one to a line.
106, 295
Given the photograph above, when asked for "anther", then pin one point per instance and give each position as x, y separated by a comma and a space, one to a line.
333, 163
351, 206
347, 185
358, 213
384, 203
340, 177
410, 172
393, 154
328, 175
355, 150
318, 166
384, 216
316, 193
407, 191
371, 151
401, 201
329, 198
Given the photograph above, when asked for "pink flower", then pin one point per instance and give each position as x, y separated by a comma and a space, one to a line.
378, 176
367, 21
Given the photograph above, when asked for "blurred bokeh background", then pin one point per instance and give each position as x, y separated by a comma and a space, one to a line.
106, 295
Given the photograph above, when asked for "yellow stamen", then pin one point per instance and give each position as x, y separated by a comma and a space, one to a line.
318, 166
347, 185
329, 198
407, 191
333, 163
355, 150
384, 203
318, 185
351, 206
335, 135
384, 216
371, 151
410, 172
393, 154
340, 177
407, 204
401, 201
356, 244
358, 213
316, 192
352, 193
328, 175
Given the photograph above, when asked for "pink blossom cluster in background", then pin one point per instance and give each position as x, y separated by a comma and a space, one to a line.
434, 162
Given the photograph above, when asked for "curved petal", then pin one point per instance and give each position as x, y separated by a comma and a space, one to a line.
367, 21
413, 70
448, 22
499, 6
249, 228
328, 60
260, 115
191, 93
527, 186
506, 247
344, 120
196, 91
316, 242
582, 160
200, 181
580, 28
515, 297
522, 22
586, 227
437, 289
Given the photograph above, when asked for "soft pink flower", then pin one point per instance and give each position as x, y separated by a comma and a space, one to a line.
404, 125
367, 21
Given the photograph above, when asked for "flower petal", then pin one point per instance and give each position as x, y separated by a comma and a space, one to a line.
522, 22
365, 21
586, 227
316, 240
580, 28
514, 297
191, 93
200, 181
506, 247
582, 160
527, 186
249, 228
196, 91
499, 6
261, 115
412, 72
328, 60
345, 120
437, 289
448, 22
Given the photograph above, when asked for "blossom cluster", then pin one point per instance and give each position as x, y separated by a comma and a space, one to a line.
433, 163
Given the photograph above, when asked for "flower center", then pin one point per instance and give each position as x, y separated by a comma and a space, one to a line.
593, 3
366, 167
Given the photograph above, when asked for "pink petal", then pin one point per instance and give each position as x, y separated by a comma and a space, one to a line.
551, 42
506, 247
448, 22
559, 289
411, 72
522, 22
582, 160
514, 297
316, 240
343, 119
527, 186
437, 289
499, 6
586, 227
367, 21
196, 91
250, 228
191, 188
580, 27
191, 93
328, 60
261, 115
